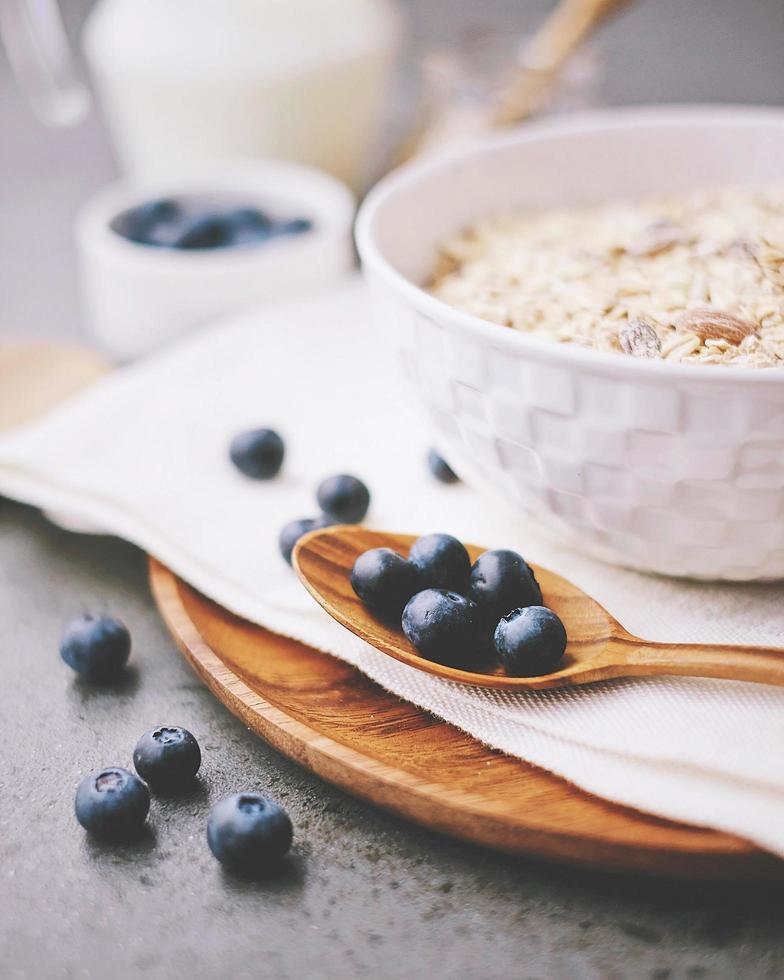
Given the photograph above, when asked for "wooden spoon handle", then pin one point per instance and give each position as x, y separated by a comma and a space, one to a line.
547, 52
759, 665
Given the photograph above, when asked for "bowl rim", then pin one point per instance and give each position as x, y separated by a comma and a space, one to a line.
607, 363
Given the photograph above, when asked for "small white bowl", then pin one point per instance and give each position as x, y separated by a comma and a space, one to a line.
671, 468
140, 296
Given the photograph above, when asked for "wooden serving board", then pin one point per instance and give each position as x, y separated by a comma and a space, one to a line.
331, 719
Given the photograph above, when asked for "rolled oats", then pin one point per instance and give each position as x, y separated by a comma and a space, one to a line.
695, 277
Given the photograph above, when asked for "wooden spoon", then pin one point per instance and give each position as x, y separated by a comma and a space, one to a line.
599, 647
545, 55
527, 84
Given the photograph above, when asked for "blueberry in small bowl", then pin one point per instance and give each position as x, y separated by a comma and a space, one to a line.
344, 497
384, 581
530, 641
205, 231
501, 581
141, 223
112, 803
97, 647
249, 833
250, 225
445, 627
195, 223
167, 757
258, 453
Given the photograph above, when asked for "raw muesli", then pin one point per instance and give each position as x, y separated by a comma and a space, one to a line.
695, 277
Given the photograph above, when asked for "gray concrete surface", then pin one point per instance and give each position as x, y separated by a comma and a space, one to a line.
365, 895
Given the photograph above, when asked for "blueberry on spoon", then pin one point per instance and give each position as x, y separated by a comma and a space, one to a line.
442, 561
445, 627
530, 641
501, 581
384, 581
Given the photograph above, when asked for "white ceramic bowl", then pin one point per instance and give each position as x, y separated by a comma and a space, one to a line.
138, 297
677, 469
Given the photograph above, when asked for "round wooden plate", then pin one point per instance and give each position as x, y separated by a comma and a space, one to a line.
329, 717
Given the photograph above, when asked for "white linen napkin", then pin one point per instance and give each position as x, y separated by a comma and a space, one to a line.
144, 454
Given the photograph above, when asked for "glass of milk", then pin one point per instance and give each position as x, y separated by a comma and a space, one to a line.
186, 85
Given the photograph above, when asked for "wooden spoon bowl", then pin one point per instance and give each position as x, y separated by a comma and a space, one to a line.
599, 648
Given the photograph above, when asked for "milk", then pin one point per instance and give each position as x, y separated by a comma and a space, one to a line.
186, 84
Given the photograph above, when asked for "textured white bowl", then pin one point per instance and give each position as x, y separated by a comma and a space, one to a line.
677, 469
138, 297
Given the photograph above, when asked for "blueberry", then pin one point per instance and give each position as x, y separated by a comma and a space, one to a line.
250, 226
112, 803
442, 561
257, 453
294, 226
344, 497
384, 581
249, 833
444, 626
502, 581
167, 757
251, 218
293, 531
140, 223
530, 641
96, 646
205, 231
440, 469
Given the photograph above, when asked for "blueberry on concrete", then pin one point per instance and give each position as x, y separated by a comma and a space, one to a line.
444, 627
112, 803
258, 453
440, 469
501, 581
344, 497
97, 647
249, 833
384, 581
530, 641
442, 561
167, 757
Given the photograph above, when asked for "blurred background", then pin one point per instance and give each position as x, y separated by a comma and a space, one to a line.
656, 51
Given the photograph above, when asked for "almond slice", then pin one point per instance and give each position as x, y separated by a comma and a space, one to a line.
715, 324
657, 238
639, 339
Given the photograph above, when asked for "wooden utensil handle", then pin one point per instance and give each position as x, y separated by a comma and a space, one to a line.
546, 53
564, 30
760, 665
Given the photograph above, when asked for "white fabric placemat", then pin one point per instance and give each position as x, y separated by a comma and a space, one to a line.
144, 454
